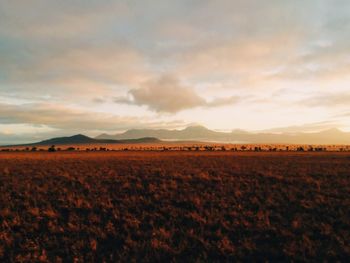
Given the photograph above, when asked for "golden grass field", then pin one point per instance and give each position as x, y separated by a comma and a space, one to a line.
168, 206
180, 146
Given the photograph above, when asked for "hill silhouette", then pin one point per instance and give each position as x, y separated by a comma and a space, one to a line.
200, 133
83, 139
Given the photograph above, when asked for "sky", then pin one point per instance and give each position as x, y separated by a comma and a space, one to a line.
96, 66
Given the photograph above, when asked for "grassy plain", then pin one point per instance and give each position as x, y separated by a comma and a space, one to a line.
174, 206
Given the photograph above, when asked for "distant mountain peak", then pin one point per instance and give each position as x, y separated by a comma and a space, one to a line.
79, 136
196, 128
83, 139
201, 133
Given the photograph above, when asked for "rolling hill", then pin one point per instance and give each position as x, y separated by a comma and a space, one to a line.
82, 139
200, 133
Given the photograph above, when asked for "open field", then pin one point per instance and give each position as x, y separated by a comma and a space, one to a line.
184, 206
180, 146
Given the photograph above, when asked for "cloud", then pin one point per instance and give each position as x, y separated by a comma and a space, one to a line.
62, 20
75, 74
168, 94
236, 63
308, 127
98, 100
50, 48
87, 65
73, 119
328, 100
329, 64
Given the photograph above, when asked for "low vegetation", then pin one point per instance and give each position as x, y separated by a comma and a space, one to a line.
166, 206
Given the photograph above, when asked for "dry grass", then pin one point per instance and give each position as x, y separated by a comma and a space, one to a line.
181, 146
174, 206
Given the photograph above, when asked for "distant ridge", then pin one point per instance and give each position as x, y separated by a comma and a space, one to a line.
189, 133
200, 133
75, 139
83, 139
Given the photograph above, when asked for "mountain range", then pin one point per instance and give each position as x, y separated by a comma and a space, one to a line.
200, 133
82, 139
